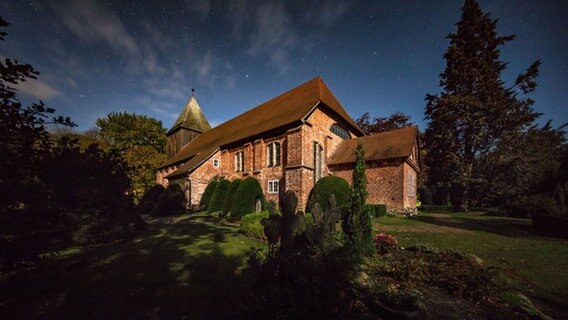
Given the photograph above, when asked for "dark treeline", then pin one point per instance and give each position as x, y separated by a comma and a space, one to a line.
54, 192
483, 146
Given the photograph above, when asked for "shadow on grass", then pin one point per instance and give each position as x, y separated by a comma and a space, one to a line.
498, 225
168, 272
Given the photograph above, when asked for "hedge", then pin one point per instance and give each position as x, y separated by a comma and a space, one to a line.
433, 208
150, 199
207, 194
170, 202
245, 198
324, 188
378, 210
219, 196
228, 204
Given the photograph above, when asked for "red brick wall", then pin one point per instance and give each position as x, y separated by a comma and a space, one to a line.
387, 182
296, 169
201, 176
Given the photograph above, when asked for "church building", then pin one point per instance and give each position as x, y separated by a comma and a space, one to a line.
288, 143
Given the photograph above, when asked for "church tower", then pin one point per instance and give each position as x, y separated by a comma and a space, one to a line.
190, 124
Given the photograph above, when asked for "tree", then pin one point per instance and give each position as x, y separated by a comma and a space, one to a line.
395, 121
475, 112
52, 191
140, 140
530, 164
25, 140
357, 225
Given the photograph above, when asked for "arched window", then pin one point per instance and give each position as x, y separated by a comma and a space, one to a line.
318, 162
339, 131
273, 154
239, 161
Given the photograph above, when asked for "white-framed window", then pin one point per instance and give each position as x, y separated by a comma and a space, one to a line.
318, 163
216, 163
272, 186
273, 154
339, 131
239, 161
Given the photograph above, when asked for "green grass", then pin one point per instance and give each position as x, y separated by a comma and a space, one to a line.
535, 265
188, 267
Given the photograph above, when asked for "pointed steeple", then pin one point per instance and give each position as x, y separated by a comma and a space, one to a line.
190, 124
191, 117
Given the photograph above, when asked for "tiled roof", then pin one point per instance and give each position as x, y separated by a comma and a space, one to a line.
381, 146
288, 108
191, 118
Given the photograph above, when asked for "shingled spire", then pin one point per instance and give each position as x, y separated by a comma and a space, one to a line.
190, 124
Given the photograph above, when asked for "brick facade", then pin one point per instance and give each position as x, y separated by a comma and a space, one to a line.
306, 148
388, 182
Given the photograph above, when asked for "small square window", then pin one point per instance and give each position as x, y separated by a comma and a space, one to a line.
273, 186
216, 163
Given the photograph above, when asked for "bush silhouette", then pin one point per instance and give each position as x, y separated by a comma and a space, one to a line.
219, 195
324, 188
228, 204
170, 202
245, 198
150, 199
207, 194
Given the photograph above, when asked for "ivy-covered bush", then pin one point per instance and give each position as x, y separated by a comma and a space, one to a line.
207, 194
170, 202
219, 196
250, 225
150, 199
324, 188
248, 192
228, 204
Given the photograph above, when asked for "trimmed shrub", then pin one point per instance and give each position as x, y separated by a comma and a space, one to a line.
324, 188
245, 198
433, 208
219, 196
251, 227
378, 210
150, 199
228, 205
170, 202
207, 194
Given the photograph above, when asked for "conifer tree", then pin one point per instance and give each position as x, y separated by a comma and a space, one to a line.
357, 225
475, 111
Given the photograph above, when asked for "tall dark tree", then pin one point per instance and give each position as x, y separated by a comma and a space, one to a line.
357, 224
395, 121
475, 111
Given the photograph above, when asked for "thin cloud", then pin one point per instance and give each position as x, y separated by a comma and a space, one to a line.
92, 22
331, 12
274, 36
38, 89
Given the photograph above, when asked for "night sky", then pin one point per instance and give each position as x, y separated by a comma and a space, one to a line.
144, 57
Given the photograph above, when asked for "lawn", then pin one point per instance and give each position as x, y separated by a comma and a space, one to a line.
535, 265
179, 267
189, 266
